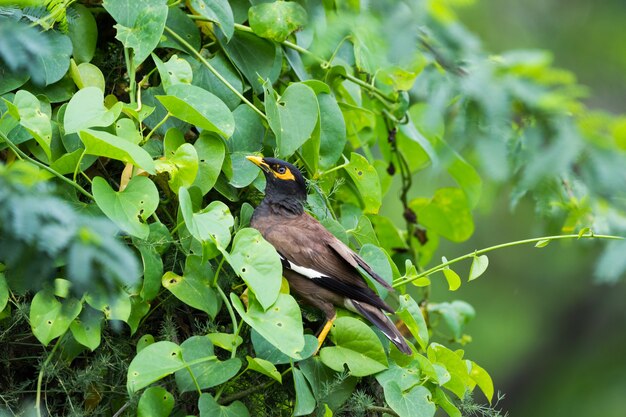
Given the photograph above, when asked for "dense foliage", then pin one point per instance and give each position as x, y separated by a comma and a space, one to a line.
131, 282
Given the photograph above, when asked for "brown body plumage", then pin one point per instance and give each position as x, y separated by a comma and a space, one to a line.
320, 268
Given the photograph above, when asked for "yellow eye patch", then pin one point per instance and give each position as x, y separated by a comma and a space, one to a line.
287, 175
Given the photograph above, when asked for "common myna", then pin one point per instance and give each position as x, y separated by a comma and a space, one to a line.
320, 268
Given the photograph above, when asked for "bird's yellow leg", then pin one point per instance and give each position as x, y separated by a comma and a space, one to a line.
324, 332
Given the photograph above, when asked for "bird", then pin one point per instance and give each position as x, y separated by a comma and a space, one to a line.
321, 270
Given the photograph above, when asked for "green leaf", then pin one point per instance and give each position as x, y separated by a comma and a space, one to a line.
115, 307
258, 59
217, 11
357, 346
411, 314
152, 363
264, 367
182, 166
258, 264
4, 292
366, 180
129, 209
479, 266
211, 153
320, 378
87, 329
293, 117
482, 379
444, 403
447, 214
276, 20
175, 71
266, 350
52, 65
412, 402
305, 402
144, 341
83, 33
86, 109
111, 146
454, 281
542, 243
87, 75
140, 24
226, 341
33, 119
210, 408
193, 290
210, 225
199, 107
209, 372
155, 402
378, 260
50, 318
460, 381
151, 249
332, 131
281, 324
455, 314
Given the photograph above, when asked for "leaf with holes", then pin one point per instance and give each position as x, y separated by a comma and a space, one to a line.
192, 290
411, 314
280, 325
276, 20
152, 363
182, 166
87, 328
210, 225
33, 119
50, 318
217, 11
155, 402
129, 209
357, 346
293, 117
366, 180
258, 264
211, 152
209, 372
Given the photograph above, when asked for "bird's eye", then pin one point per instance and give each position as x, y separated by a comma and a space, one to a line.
281, 170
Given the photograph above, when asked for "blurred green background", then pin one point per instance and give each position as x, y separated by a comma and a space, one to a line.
552, 337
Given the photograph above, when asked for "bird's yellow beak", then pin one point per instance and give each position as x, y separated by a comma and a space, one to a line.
258, 161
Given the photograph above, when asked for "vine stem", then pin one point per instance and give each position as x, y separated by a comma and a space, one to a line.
214, 71
22, 155
41, 371
245, 393
500, 246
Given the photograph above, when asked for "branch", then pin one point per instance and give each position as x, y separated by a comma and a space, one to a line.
439, 267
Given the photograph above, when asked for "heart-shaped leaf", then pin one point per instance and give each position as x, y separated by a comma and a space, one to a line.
199, 107
152, 363
211, 152
155, 402
276, 20
50, 318
479, 266
280, 325
366, 180
208, 407
411, 314
412, 402
182, 166
87, 328
130, 208
105, 144
293, 117
86, 109
357, 346
264, 367
209, 372
210, 225
258, 264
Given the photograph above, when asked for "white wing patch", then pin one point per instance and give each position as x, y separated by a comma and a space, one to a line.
302, 270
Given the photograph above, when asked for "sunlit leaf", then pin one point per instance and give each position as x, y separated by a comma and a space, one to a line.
50, 318
155, 402
152, 363
276, 20
479, 266
412, 316
264, 367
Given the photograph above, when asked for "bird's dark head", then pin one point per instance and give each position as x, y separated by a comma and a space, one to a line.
285, 184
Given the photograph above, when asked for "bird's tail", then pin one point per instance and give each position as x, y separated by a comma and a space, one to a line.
384, 323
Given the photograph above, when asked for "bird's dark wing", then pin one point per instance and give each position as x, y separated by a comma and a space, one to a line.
312, 251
